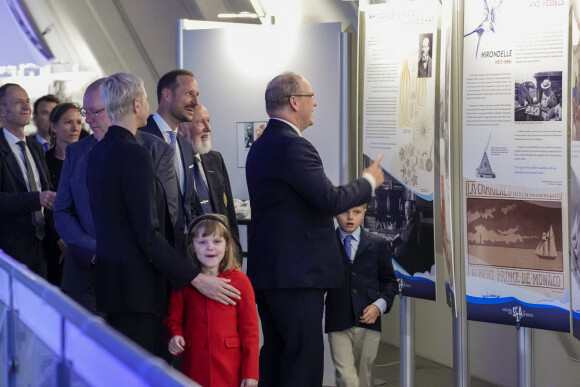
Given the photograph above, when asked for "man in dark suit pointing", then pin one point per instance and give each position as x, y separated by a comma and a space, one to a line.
293, 251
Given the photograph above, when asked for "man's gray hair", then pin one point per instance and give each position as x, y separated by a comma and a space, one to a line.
118, 93
280, 89
95, 85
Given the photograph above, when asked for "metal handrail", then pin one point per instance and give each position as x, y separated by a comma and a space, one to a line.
145, 365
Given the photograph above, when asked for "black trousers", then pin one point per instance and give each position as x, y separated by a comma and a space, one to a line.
145, 329
293, 350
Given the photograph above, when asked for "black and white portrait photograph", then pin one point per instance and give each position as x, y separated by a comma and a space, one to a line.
425, 56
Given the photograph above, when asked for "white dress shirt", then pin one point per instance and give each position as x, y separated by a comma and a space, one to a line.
13, 142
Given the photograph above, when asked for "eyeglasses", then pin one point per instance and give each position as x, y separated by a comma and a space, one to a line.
301, 95
85, 113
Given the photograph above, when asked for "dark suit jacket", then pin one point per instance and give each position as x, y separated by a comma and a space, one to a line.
423, 72
292, 242
17, 237
133, 257
184, 205
73, 218
369, 277
220, 190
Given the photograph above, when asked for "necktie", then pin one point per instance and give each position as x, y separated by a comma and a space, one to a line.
173, 138
46, 146
37, 217
347, 247
201, 187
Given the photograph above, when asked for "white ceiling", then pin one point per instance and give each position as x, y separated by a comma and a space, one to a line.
140, 36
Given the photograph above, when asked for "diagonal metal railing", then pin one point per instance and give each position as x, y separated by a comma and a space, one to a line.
49, 340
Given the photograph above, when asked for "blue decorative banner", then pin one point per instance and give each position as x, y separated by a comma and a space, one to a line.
510, 311
418, 287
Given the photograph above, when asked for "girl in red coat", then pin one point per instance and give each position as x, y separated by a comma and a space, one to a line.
220, 343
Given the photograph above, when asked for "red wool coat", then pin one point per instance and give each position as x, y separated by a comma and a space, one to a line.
221, 341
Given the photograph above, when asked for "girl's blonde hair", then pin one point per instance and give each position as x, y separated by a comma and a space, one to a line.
210, 224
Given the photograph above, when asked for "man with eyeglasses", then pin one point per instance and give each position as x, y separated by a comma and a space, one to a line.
73, 218
25, 189
293, 253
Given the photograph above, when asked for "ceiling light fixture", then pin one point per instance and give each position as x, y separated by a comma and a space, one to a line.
241, 15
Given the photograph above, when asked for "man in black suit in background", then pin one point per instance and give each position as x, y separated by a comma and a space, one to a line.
293, 254
133, 259
212, 170
25, 190
41, 116
177, 93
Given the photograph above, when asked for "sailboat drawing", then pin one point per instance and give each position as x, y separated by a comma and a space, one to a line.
547, 246
484, 169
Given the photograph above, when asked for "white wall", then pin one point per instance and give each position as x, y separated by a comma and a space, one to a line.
235, 68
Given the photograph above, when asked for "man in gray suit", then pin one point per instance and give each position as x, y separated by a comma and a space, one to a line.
177, 95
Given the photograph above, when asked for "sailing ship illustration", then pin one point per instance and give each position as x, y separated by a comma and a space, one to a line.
484, 169
547, 246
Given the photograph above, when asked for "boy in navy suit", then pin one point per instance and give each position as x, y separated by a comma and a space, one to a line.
353, 312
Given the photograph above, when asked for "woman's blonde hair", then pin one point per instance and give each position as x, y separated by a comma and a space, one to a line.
210, 224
